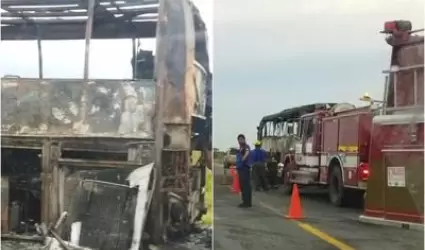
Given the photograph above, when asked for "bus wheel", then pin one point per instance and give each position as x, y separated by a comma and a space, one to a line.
336, 187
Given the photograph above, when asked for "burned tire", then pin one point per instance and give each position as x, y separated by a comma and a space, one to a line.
336, 187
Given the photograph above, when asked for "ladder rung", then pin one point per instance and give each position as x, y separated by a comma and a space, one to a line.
418, 66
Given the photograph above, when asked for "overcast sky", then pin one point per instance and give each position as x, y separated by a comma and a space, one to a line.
280, 54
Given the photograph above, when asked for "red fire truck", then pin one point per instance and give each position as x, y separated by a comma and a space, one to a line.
332, 151
333, 145
322, 144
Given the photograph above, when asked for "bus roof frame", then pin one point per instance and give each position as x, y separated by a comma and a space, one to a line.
84, 20
68, 19
294, 113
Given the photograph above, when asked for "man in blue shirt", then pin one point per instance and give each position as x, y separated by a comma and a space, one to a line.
244, 171
259, 158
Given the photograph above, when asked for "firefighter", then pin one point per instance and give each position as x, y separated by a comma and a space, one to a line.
244, 171
259, 159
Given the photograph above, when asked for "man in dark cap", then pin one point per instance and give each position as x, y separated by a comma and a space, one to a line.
244, 171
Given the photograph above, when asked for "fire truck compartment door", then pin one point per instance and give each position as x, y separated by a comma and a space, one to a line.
399, 169
404, 185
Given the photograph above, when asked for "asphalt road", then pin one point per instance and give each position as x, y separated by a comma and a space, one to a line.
325, 227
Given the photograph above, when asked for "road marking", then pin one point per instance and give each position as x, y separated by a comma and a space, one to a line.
312, 230
324, 236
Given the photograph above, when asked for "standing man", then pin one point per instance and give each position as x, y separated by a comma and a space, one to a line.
259, 158
243, 168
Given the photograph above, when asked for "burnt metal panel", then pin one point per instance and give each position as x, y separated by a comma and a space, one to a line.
176, 97
51, 107
105, 203
86, 145
106, 212
175, 62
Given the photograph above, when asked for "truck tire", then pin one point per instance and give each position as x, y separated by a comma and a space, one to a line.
336, 187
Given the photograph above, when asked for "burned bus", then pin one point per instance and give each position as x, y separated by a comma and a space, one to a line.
278, 132
105, 163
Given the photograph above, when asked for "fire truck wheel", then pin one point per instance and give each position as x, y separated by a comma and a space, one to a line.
336, 187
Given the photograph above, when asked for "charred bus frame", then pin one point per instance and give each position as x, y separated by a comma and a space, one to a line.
274, 125
175, 103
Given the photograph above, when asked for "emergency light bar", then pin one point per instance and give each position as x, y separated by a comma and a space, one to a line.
399, 25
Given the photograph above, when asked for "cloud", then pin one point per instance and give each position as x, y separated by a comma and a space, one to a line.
278, 54
277, 28
246, 11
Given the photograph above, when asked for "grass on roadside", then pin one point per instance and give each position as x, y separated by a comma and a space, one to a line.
207, 219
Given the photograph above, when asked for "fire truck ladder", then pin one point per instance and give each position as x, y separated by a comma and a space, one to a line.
393, 74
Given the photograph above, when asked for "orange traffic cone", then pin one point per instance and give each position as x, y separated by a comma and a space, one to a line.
295, 210
236, 188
